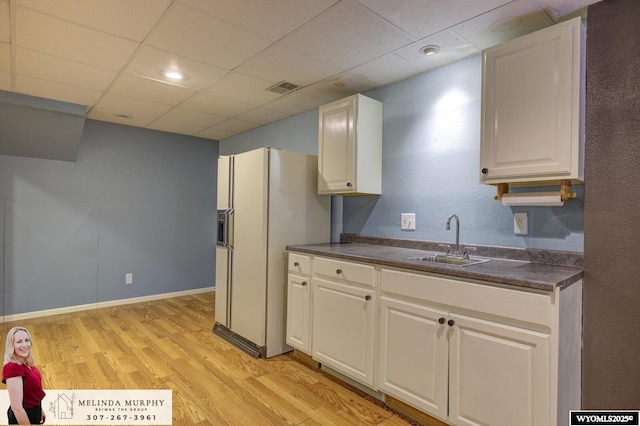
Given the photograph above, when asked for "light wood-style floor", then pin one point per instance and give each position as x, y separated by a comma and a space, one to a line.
168, 344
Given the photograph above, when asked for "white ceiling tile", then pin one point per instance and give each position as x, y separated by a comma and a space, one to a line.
340, 86
43, 33
243, 88
272, 19
215, 134
5, 81
206, 39
217, 106
152, 63
56, 91
387, 69
422, 18
150, 90
5, 22
45, 67
452, 48
236, 126
193, 118
347, 35
561, 9
295, 103
277, 63
5, 57
233, 50
112, 116
262, 116
173, 127
133, 107
124, 18
502, 24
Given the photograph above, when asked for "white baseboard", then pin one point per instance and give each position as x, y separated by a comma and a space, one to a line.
78, 308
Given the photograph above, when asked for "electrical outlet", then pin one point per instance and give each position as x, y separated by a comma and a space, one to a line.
408, 221
520, 224
128, 278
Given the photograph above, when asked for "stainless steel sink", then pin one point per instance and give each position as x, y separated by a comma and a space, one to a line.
450, 260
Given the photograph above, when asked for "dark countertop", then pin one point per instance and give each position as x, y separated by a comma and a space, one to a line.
498, 270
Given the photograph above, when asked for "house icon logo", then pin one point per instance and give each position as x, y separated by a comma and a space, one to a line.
62, 406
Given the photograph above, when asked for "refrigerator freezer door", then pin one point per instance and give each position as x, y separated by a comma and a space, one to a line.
223, 260
225, 182
223, 252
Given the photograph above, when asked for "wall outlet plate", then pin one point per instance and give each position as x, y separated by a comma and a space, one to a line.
408, 221
128, 278
520, 224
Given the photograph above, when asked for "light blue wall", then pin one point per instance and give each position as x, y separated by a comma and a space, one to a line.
136, 201
430, 165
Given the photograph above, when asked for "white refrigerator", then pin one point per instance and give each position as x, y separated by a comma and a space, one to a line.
267, 199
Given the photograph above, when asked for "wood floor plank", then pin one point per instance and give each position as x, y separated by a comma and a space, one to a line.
169, 344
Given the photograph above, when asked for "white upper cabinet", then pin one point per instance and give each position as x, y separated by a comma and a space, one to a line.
533, 107
350, 147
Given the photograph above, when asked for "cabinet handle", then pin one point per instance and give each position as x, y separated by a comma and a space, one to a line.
485, 171
442, 320
349, 184
304, 283
296, 264
338, 271
367, 297
451, 323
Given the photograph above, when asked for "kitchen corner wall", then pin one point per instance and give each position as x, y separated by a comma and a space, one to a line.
136, 201
611, 361
430, 166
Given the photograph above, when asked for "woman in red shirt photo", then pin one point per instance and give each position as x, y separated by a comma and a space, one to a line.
23, 380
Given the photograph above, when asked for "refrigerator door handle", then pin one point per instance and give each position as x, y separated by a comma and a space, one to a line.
225, 228
229, 229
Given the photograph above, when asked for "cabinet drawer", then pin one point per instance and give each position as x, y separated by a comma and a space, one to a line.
299, 263
520, 305
349, 271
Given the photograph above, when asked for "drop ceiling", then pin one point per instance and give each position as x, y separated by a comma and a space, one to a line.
111, 55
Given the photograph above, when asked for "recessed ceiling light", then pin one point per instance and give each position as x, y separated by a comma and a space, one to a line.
429, 50
173, 75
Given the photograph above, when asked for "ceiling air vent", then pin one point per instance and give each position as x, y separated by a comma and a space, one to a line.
283, 87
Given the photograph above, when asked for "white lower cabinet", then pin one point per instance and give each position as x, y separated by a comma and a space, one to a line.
476, 354
498, 375
298, 329
488, 373
465, 352
344, 312
299, 313
414, 355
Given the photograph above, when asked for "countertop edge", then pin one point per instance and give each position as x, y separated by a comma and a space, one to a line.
502, 271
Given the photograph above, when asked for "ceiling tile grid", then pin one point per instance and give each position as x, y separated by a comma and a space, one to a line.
112, 55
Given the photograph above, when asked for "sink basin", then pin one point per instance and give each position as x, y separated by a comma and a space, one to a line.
450, 260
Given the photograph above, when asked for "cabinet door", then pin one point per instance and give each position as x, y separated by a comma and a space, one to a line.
299, 313
531, 107
413, 356
499, 375
336, 147
343, 319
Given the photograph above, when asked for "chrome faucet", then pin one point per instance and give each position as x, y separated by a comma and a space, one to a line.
456, 252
